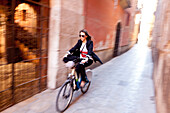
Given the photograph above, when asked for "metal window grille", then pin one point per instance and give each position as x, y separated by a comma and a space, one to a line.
23, 49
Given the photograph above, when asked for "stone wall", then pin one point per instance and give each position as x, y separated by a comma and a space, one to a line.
161, 56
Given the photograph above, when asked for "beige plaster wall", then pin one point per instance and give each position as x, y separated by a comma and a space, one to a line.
161, 56
54, 36
71, 21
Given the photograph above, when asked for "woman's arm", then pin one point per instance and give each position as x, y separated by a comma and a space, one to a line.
75, 47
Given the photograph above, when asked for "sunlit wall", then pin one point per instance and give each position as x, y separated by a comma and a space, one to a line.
26, 16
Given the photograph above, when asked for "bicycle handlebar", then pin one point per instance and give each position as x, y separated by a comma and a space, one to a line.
77, 60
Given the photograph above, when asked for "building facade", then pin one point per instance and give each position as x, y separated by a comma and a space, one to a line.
35, 35
161, 56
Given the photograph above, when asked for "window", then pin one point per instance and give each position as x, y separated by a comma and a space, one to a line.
23, 15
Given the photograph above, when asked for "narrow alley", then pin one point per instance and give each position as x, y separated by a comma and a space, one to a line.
122, 85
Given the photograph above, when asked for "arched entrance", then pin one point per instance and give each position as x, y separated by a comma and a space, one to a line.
117, 38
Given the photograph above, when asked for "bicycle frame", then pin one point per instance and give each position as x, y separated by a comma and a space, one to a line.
75, 78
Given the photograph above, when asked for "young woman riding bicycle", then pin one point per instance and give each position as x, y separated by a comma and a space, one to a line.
84, 50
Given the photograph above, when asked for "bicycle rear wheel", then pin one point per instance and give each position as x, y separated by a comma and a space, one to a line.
89, 78
64, 96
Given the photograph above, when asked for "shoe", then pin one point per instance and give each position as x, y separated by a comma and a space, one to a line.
86, 80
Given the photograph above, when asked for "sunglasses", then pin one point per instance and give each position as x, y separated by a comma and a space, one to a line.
81, 35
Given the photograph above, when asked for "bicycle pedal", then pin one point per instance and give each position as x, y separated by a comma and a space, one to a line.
75, 89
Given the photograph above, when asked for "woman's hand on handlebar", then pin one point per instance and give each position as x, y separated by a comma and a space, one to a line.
66, 54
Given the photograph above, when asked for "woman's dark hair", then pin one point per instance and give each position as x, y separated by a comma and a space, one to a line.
86, 33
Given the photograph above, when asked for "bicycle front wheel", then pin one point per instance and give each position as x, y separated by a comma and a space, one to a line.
64, 96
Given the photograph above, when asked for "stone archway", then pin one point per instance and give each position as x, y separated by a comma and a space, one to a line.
26, 17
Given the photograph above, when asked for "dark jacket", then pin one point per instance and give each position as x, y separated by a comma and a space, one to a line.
76, 50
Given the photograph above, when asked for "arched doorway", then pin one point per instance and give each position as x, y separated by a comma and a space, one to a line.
117, 38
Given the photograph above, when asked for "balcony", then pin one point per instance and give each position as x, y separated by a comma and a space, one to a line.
125, 4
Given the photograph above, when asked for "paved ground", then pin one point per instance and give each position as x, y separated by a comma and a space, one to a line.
122, 85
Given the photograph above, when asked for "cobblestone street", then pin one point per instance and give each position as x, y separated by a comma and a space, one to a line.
122, 85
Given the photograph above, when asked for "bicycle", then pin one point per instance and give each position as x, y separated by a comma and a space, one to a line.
70, 85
